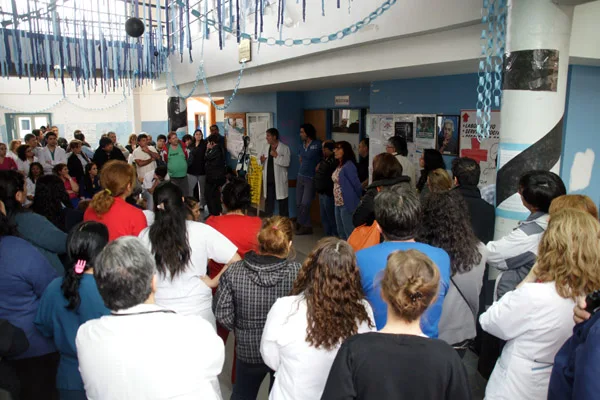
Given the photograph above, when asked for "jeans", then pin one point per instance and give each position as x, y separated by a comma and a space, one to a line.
270, 203
213, 195
197, 182
327, 207
305, 193
248, 378
343, 219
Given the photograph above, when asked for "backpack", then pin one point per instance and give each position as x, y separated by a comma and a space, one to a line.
365, 236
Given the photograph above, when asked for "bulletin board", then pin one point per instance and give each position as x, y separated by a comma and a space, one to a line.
235, 130
419, 130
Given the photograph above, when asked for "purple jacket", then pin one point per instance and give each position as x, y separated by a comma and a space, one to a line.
351, 187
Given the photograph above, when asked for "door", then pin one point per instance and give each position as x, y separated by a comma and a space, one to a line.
200, 121
318, 119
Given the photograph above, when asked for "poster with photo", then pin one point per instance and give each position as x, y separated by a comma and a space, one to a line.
425, 127
485, 152
386, 127
404, 129
448, 134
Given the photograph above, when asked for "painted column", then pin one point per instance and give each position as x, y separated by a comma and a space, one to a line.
533, 104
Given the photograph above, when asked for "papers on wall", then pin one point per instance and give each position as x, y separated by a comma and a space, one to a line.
485, 152
88, 130
258, 137
417, 129
234, 132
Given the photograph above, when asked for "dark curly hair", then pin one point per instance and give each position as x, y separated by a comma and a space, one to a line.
50, 199
330, 281
445, 223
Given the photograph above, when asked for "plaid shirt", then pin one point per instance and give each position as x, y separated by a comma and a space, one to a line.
246, 292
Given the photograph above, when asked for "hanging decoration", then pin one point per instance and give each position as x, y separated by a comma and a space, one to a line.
109, 45
489, 88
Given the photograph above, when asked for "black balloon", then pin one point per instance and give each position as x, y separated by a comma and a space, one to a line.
134, 27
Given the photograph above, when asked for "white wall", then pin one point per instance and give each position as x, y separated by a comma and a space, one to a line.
94, 114
584, 47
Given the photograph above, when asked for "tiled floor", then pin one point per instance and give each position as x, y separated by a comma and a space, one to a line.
303, 245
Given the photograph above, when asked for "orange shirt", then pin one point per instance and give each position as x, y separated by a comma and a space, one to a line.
122, 219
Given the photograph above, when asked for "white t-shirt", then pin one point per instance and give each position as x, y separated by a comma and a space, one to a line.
149, 179
300, 368
187, 294
143, 353
138, 154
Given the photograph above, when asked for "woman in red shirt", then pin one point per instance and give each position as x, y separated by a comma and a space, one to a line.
109, 207
6, 163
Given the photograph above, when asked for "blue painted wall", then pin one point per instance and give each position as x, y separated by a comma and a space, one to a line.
581, 125
319, 99
155, 128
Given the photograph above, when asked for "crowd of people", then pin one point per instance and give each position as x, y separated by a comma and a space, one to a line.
114, 286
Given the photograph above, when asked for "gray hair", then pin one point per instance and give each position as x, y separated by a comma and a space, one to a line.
124, 272
398, 212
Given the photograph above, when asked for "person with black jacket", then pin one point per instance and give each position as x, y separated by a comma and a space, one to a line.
466, 172
324, 187
13, 341
197, 167
106, 152
77, 160
215, 173
387, 172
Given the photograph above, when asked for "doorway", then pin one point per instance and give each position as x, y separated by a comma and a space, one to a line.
19, 125
318, 119
200, 122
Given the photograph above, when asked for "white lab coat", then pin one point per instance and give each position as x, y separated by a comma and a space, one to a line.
535, 321
280, 164
45, 158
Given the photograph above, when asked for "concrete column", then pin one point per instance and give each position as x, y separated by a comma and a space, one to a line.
533, 103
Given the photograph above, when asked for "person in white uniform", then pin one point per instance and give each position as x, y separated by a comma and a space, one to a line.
537, 318
141, 350
275, 159
304, 331
181, 250
52, 154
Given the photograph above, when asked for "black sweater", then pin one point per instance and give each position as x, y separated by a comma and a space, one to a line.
483, 216
382, 366
322, 180
365, 212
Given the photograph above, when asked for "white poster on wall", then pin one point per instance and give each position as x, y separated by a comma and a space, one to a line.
88, 130
485, 152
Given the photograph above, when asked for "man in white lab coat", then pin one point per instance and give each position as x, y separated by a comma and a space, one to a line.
275, 159
52, 154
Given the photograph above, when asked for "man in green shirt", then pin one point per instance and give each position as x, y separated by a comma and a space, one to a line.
176, 159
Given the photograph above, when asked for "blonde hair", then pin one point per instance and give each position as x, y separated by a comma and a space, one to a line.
576, 201
14, 144
73, 144
410, 283
132, 139
275, 236
569, 253
438, 180
115, 178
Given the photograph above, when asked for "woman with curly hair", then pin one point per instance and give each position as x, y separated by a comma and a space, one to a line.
52, 201
70, 184
247, 291
537, 318
445, 224
305, 330
25, 158
400, 361
68, 302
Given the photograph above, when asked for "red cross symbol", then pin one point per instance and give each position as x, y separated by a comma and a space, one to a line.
475, 152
